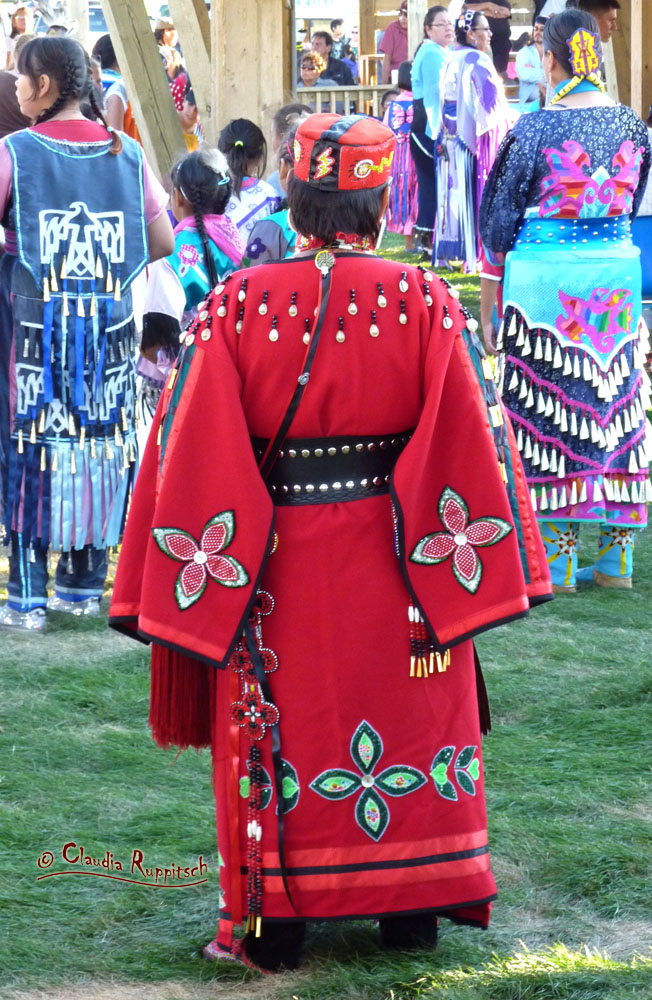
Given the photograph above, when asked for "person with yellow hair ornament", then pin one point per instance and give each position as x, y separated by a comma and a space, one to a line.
559, 202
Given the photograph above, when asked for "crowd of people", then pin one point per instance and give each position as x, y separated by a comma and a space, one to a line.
336, 494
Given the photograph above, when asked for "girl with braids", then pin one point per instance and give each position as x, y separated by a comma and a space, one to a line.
207, 247
565, 186
245, 149
82, 213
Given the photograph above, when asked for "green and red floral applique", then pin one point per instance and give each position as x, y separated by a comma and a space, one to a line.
466, 771
371, 810
202, 559
460, 540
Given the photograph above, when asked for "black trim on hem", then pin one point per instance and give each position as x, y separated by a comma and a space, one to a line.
474, 852
541, 599
117, 625
441, 911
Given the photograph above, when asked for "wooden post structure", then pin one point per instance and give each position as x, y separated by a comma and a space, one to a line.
416, 13
367, 27
632, 57
192, 22
78, 11
146, 82
248, 64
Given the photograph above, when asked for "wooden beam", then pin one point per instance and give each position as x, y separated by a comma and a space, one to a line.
646, 68
243, 37
78, 11
416, 13
636, 49
367, 27
146, 83
191, 20
622, 51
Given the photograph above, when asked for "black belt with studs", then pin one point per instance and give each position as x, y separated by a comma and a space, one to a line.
332, 469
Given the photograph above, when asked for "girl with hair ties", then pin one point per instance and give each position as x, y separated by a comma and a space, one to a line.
82, 213
475, 120
302, 607
245, 149
207, 247
565, 186
427, 72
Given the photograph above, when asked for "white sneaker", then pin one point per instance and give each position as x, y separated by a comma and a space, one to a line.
25, 621
90, 606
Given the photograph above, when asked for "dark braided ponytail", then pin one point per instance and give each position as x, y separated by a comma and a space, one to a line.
64, 61
69, 67
243, 143
203, 180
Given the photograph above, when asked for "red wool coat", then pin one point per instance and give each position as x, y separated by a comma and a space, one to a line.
377, 759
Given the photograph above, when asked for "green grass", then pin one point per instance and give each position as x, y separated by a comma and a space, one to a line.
569, 787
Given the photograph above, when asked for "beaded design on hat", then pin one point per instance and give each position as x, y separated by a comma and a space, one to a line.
350, 153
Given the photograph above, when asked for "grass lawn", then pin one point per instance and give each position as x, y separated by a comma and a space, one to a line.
569, 789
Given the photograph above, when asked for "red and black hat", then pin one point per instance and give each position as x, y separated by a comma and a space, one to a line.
352, 153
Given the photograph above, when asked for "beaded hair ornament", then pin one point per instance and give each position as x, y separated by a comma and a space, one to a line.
584, 58
465, 20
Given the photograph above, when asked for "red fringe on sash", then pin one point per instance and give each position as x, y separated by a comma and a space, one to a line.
180, 702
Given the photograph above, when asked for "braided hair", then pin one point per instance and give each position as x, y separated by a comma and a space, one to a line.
67, 64
203, 180
243, 142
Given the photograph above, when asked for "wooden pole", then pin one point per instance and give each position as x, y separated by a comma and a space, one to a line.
367, 27
416, 13
622, 51
78, 11
636, 49
146, 83
246, 42
646, 68
191, 20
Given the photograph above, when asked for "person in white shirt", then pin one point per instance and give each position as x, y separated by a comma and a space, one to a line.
528, 65
552, 7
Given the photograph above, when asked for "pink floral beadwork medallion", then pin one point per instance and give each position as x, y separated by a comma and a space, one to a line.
202, 559
460, 540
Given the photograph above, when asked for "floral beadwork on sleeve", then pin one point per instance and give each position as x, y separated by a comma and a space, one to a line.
202, 559
460, 540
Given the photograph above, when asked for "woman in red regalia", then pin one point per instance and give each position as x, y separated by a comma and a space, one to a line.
328, 511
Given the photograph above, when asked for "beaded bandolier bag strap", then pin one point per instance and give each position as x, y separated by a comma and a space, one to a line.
73, 454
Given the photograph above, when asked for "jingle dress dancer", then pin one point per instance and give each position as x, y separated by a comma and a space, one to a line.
311, 611
565, 185
82, 213
475, 119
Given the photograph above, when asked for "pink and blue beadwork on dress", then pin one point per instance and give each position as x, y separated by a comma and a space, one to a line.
574, 190
574, 384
